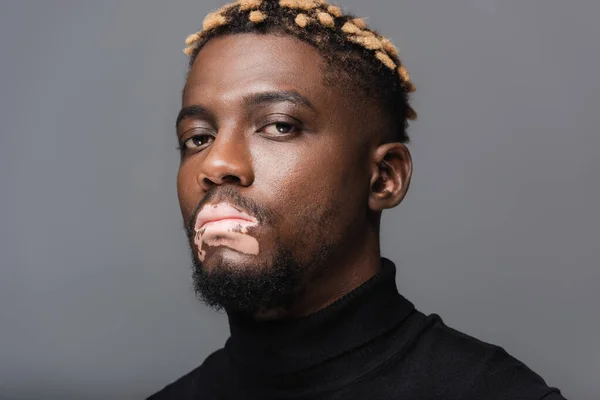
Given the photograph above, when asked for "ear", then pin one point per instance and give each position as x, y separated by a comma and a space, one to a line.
391, 174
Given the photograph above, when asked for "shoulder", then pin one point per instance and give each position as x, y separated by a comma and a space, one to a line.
484, 370
195, 383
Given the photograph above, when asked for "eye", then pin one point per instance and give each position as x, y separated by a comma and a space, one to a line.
197, 141
280, 128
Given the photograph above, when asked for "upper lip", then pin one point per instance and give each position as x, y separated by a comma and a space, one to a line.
219, 211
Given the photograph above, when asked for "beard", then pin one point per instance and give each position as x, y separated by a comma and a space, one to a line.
273, 284
251, 290
271, 287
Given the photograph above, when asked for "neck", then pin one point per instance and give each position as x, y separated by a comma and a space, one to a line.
344, 271
268, 349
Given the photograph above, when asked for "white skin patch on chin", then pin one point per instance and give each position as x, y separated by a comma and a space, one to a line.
234, 236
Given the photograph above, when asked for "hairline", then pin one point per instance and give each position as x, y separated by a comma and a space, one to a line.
332, 73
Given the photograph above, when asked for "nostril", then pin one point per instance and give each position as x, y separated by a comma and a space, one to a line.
221, 180
231, 179
208, 182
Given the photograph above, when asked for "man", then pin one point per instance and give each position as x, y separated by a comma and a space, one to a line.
292, 135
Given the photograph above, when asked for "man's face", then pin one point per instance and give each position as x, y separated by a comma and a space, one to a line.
263, 133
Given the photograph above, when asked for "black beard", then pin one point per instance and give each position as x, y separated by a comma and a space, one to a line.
253, 291
272, 286
264, 289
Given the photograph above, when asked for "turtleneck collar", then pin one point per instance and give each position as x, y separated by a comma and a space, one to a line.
358, 318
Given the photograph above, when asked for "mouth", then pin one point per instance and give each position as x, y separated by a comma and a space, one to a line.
224, 216
224, 225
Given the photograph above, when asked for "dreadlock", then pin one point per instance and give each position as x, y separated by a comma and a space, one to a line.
370, 60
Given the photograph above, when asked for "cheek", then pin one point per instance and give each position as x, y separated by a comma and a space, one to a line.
188, 191
308, 182
291, 177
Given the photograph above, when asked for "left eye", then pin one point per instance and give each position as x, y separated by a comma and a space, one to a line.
279, 128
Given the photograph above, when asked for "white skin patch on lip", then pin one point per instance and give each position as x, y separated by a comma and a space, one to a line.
231, 234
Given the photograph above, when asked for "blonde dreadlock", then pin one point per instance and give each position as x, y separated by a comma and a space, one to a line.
326, 27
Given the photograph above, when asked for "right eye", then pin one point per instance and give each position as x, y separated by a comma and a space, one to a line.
197, 141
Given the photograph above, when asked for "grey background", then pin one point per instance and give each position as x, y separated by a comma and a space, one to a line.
499, 233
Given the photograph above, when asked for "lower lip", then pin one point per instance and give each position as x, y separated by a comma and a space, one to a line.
225, 225
231, 232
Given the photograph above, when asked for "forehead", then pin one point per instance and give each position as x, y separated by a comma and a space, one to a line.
236, 65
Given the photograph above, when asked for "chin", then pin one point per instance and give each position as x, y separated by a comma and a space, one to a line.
234, 281
222, 258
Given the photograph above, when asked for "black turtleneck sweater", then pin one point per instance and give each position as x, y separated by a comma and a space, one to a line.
371, 344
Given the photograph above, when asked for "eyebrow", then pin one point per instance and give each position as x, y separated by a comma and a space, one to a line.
190, 112
277, 96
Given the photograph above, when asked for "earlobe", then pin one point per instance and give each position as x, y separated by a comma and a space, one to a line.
392, 170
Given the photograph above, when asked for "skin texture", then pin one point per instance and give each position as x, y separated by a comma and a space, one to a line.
232, 231
316, 171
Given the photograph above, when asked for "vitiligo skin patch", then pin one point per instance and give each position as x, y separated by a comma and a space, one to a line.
223, 225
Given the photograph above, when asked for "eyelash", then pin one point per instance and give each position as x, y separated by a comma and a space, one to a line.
181, 146
295, 127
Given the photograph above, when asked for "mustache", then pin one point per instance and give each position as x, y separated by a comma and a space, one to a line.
227, 194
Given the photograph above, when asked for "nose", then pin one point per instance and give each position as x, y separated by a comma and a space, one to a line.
228, 160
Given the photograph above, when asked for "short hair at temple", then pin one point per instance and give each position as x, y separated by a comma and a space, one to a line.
370, 61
